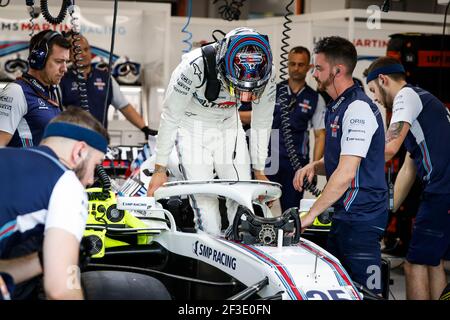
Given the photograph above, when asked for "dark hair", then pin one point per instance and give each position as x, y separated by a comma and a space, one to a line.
338, 50
300, 49
82, 118
383, 62
59, 40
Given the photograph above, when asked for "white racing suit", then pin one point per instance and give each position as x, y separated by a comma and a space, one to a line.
208, 134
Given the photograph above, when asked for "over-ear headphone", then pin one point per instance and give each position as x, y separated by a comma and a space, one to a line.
39, 54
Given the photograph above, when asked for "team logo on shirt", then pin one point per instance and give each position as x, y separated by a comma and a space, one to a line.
335, 127
6, 99
305, 106
74, 86
42, 104
357, 121
100, 84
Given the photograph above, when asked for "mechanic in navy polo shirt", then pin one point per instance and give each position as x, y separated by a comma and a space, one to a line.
45, 210
31, 101
96, 81
422, 123
353, 164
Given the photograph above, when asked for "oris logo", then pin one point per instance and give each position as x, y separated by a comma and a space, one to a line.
357, 121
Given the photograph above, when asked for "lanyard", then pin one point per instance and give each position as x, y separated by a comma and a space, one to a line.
40, 94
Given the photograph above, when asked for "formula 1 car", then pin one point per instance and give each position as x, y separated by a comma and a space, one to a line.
264, 257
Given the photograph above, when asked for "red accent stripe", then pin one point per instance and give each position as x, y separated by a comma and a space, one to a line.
425, 156
351, 192
279, 268
8, 230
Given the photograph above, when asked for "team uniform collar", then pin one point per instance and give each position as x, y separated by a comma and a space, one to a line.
36, 83
333, 105
288, 88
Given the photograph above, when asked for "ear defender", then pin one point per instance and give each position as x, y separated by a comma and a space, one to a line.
39, 54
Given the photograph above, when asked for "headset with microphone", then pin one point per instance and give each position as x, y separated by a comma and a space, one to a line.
39, 54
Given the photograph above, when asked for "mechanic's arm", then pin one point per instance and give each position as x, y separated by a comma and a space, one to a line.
61, 272
395, 136
319, 144
404, 181
133, 116
5, 138
406, 108
246, 117
334, 189
22, 268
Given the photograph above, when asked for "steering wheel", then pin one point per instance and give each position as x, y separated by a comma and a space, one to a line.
251, 229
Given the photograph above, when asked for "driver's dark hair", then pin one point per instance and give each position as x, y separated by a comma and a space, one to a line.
338, 50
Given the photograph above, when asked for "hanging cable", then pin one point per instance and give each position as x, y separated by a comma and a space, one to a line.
62, 12
187, 40
111, 53
34, 13
287, 106
230, 10
443, 56
77, 57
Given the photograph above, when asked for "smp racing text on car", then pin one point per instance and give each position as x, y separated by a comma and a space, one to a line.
210, 253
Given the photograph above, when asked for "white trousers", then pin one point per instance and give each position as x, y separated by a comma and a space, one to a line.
205, 150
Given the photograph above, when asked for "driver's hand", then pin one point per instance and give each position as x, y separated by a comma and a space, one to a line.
259, 175
158, 179
306, 221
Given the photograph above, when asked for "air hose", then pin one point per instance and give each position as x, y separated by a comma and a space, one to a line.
104, 178
230, 10
287, 106
187, 40
76, 51
62, 12
33, 14
3, 5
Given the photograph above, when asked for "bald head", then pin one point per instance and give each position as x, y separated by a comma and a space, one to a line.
85, 56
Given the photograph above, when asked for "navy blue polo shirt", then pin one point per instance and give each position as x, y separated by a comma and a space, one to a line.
427, 139
307, 109
96, 91
26, 107
37, 193
354, 126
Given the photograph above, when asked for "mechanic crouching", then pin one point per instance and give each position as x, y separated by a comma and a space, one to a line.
353, 164
43, 206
